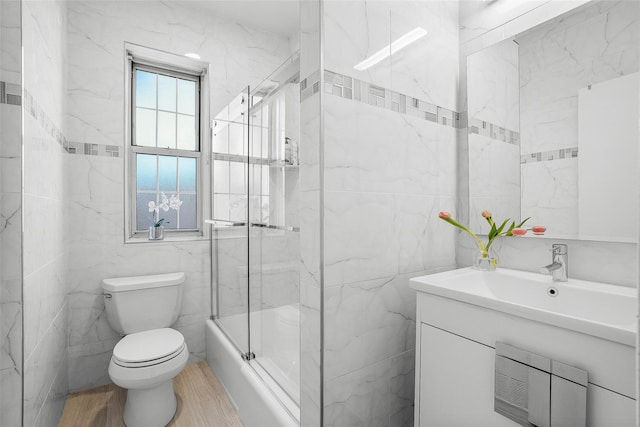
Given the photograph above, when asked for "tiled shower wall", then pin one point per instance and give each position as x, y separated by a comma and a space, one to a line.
239, 55
10, 215
389, 137
45, 241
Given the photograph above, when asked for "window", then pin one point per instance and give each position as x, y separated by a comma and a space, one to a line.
165, 148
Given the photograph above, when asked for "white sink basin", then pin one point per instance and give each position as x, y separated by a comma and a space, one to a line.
598, 309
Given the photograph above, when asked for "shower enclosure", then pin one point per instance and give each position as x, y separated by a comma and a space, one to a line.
255, 229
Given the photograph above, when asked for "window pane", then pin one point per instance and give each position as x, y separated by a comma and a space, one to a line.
166, 130
188, 211
144, 218
170, 219
168, 173
146, 172
166, 93
186, 97
187, 168
145, 89
145, 127
186, 132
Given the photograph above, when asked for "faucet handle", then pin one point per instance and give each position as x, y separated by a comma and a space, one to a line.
559, 249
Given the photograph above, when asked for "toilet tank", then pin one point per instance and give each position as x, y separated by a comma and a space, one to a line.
140, 303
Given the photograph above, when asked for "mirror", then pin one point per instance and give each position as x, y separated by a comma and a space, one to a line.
553, 125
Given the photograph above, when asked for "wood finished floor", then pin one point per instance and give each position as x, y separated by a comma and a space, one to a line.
202, 402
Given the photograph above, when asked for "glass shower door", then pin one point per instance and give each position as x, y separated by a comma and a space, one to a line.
230, 226
274, 254
255, 232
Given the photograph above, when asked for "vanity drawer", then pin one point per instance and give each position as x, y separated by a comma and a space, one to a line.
610, 365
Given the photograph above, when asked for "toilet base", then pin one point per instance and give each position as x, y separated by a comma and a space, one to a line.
150, 407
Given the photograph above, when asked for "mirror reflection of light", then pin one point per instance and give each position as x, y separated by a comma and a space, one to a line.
404, 41
192, 55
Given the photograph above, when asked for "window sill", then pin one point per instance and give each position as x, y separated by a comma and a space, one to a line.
168, 238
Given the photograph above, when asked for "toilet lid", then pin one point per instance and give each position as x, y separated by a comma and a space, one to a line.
147, 346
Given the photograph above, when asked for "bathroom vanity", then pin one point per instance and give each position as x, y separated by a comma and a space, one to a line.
583, 332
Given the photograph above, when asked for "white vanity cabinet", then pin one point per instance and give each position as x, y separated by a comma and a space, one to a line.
455, 362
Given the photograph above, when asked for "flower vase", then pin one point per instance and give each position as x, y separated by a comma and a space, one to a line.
156, 233
486, 260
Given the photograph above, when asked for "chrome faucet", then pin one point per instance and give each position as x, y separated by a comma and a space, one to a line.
559, 267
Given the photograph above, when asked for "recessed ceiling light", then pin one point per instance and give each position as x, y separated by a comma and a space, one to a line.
404, 41
192, 55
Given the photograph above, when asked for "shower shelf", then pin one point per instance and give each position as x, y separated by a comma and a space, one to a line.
282, 164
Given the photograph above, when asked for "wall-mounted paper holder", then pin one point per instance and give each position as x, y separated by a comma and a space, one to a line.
533, 390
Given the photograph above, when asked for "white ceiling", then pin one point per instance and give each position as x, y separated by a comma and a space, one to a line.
276, 16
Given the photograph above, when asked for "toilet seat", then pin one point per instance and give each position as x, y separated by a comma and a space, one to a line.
148, 348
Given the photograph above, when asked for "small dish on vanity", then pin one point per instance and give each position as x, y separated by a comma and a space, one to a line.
464, 316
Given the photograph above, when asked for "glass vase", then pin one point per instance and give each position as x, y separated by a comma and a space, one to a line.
486, 260
156, 233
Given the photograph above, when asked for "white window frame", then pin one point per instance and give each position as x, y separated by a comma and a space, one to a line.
138, 57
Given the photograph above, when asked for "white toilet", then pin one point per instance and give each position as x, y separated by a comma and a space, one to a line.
151, 354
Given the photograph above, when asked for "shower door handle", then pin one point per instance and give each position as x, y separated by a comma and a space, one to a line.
220, 224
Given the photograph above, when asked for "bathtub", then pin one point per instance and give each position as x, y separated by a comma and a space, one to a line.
262, 397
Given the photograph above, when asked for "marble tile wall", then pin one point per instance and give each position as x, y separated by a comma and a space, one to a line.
45, 244
239, 55
11, 330
387, 173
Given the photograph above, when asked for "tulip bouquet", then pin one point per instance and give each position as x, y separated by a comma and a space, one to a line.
496, 231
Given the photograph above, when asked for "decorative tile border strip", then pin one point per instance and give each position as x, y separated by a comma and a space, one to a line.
493, 131
310, 86
358, 90
544, 156
93, 149
34, 109
10, 94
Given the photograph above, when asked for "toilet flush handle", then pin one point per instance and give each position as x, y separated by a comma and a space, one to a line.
107, 296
